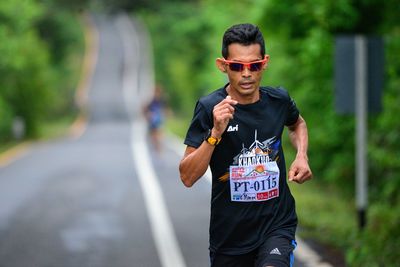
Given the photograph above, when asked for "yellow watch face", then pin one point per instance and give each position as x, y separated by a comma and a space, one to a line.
212, 140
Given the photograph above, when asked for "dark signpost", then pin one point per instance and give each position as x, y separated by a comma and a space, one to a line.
359, 75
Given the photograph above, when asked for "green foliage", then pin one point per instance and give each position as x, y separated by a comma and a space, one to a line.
331, 135
187, 39
24, 77
384, 149
133, 5
36, 46
378, 245
58, 31
300, 38
6, 118
178, 69
64, 5
62, 32
315, 212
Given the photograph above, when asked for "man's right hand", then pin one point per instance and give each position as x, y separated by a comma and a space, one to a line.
222, 113
196, 160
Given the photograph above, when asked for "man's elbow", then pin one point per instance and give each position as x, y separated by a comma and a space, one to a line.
185, 178
186, 181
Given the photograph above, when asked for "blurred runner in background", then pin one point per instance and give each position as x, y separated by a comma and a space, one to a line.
155, 114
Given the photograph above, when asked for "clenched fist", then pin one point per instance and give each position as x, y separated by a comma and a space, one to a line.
222, 113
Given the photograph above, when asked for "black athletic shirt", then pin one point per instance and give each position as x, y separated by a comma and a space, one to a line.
239, 227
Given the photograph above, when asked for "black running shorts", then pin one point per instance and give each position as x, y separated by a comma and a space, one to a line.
276, 251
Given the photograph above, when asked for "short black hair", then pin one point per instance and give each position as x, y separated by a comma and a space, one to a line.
244, 34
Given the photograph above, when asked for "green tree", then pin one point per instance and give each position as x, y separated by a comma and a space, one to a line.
25, 81
35, 72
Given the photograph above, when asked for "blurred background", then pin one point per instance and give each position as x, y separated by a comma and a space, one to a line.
42, 45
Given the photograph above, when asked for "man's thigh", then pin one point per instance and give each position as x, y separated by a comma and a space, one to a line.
276, 251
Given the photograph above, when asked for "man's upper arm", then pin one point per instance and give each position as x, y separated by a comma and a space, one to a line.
198, 127
296, 124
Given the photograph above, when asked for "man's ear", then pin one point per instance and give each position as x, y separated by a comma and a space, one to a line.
266, 62
220, 64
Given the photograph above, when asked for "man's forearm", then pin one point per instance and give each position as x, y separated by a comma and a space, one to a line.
195, 163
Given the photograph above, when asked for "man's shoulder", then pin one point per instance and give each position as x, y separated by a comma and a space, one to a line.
278, 92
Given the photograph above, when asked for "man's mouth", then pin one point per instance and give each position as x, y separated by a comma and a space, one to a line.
246, 85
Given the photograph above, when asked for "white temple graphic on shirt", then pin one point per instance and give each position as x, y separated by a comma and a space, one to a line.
258, 152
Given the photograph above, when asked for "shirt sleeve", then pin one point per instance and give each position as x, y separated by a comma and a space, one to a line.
199, 126
292, 113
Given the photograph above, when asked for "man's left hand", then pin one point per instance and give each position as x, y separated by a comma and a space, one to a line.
300, 171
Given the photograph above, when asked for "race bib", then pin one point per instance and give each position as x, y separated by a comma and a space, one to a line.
254, 182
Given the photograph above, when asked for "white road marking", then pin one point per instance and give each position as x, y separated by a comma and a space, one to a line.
303, 252
130, 74
308, 256
160, 221
135, 91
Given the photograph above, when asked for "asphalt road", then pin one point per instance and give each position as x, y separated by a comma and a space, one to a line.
105, 198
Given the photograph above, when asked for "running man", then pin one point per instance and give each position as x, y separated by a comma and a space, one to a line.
237, 131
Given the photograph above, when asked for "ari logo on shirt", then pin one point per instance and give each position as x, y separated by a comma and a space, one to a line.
233, 128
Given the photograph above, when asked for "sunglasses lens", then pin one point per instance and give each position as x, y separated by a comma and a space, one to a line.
236, 66
255, 66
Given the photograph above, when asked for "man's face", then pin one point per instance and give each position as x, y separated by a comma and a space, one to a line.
244, 84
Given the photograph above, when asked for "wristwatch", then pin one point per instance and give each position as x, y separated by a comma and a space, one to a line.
211, 139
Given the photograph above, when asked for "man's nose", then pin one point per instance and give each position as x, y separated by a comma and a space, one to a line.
246, 71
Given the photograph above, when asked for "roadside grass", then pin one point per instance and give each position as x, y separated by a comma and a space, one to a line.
49, 130
57, 128
325, 215
7, 145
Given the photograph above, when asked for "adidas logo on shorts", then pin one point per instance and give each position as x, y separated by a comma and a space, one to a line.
275, 251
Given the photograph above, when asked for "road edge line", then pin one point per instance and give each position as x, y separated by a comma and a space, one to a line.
89, 64
14, 153
161, 225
